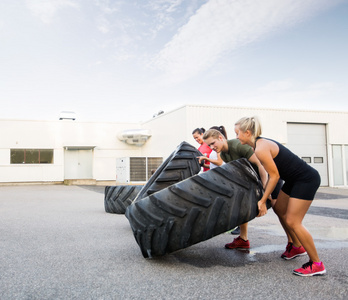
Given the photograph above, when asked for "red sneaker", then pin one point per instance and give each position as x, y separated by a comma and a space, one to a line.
288, 246
310, 269
238, 243
292, 252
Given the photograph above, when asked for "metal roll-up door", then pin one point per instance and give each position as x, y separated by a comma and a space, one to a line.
308, 141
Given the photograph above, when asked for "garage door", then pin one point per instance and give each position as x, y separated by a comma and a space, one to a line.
308, 141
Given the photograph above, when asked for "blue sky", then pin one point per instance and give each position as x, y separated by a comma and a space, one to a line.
119, 61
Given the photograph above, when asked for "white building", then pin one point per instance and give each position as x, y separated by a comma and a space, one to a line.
119, 153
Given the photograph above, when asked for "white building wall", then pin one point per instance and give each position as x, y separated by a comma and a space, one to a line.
178, 125
56, 135
168, 131
274, 124
105, 162
273, 121
4, 155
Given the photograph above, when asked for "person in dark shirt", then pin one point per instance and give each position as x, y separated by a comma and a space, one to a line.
301, 183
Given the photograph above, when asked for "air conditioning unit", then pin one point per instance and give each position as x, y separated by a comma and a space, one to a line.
136, 169
136, 137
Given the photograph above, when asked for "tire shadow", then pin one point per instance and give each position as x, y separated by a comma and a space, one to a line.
208, 257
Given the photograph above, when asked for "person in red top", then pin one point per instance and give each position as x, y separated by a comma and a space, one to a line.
203, 148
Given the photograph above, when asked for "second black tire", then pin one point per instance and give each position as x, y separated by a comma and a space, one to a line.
117, 198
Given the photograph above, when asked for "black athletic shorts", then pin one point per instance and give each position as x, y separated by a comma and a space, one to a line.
303, 187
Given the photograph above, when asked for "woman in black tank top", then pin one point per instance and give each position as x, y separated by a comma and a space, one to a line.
301, 183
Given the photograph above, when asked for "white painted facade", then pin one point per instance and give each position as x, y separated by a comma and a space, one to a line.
171, 128
89, 150
66, 138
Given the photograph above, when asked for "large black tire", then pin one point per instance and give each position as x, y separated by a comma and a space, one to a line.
117, 198
195, 209
181, 164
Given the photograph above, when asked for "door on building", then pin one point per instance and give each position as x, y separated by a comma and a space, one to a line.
308, 141
78, 163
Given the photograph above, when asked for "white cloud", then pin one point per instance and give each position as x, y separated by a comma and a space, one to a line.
168, 14
46, 9
221, 26
107, 7
106, 11
135, 27
103, 24
164, 5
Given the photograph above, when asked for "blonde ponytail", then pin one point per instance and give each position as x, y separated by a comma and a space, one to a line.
252, 124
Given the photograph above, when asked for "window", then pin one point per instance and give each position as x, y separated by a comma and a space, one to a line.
307, 159
337, 163
346, 160
318, 160
31, 156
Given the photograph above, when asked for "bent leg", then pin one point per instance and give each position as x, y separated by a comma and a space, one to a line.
297, 208
280, 206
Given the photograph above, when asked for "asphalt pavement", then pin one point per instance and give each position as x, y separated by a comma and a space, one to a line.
57, 242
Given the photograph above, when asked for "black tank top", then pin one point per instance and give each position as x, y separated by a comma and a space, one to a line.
289, 165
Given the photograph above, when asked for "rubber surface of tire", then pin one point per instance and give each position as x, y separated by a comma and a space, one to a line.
195, 209
118, 198
181, 164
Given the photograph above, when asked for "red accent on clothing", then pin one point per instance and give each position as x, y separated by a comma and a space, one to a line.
205, 150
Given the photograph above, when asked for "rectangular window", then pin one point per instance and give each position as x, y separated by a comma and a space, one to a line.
17, 156
46, 156
307, 159
346, 160
318, 160
337, 162
31, 156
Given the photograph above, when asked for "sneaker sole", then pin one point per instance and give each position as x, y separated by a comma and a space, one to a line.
237, 248
320, 273
292, 257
